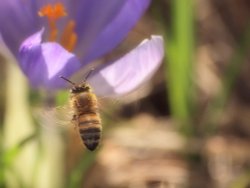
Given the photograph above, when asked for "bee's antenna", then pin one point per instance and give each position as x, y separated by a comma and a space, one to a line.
68, 80
88, 74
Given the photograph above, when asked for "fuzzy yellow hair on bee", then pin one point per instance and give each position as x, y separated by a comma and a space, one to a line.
86, 115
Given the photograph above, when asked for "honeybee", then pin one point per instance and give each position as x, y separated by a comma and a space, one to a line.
86, 117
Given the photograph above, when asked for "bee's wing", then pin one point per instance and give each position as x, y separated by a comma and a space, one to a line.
127, 73
52, 118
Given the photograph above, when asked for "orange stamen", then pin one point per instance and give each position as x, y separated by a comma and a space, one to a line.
53, 13
69, 37
53, 31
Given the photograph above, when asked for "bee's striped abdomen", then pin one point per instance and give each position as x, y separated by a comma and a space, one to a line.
90, 130
87, 118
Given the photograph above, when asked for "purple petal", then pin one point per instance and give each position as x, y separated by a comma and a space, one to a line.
130, 71
43, 63
18, 20
102, 25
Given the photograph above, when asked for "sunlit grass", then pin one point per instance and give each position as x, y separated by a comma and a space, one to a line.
179, 63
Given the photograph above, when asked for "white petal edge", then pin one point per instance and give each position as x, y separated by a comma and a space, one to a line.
130, 71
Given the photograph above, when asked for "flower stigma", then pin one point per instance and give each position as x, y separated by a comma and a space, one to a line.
53, 13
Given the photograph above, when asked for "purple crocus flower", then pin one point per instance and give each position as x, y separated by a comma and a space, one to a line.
50, 38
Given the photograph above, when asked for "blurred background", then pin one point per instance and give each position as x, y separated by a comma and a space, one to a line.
188, 127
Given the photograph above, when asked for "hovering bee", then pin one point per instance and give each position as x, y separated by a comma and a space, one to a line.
85, 113
112, 79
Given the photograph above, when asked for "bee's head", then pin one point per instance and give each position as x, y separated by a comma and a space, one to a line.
84, 87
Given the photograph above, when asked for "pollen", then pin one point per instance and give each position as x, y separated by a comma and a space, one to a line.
53, 12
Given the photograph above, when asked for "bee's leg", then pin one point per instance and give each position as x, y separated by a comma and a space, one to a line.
74, 121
